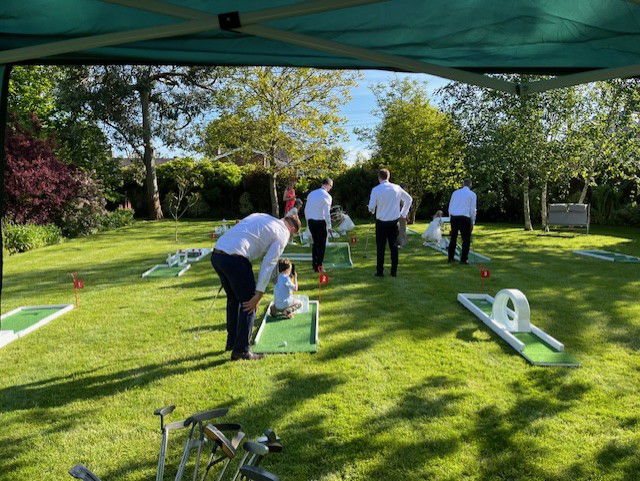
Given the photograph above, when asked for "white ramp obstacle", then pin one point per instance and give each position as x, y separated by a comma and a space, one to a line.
515, 327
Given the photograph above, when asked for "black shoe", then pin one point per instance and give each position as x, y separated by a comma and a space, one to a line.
466, 263
449, 261
228, 348
394, 274
246, 356
377, 274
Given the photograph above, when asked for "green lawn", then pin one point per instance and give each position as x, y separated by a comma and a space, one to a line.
406, 385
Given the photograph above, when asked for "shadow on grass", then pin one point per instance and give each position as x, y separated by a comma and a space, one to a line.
59, 391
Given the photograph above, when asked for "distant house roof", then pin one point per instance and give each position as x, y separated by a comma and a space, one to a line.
126, 161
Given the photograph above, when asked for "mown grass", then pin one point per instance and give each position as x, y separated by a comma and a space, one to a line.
406, 385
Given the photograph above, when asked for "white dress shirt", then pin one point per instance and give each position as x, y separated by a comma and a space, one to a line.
252, 237
318, 206
463, 202
385, 201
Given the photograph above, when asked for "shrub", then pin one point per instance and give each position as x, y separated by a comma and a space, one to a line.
37, 184
84, 214
628, 215
117, 218
23, 237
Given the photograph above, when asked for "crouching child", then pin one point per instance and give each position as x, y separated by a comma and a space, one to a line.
284, 302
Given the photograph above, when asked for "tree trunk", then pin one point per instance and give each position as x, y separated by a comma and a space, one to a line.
525, 204
154, 210
543, 206
583, 194
411, 217
273, 191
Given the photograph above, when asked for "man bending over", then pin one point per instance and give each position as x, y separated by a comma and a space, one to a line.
255, 236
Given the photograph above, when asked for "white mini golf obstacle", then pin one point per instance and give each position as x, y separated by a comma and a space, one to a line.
195, 254
176, 265
515, 327
25, 319
607, 255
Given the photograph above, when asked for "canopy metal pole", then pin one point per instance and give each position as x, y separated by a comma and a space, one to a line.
5, 71
394, 61
580, 78
203, 22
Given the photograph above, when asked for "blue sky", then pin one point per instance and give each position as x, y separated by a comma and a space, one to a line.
359, 111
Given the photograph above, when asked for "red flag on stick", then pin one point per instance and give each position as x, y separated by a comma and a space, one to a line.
323, 280
484, 274
78, 283
354, 240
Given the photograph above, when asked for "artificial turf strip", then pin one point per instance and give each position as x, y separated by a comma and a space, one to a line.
536, 351
299, 333
26, 318
336, 255
613, 256
473, 258
539, 353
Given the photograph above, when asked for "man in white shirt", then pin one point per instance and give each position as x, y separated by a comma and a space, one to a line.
318, 213
462, 210
385, 202
255, 236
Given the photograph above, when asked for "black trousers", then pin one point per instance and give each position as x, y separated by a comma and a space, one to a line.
462, 224
387, 232
318, 230
236, 277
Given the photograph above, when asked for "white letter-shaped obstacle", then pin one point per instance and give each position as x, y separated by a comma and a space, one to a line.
518, 320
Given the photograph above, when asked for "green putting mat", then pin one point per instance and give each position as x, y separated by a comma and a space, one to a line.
539, 353
607, 255
165, 271
27, 317
536, 350
299, 333
474, 257
336, 255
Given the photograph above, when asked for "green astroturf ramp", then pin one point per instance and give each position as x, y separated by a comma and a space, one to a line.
607, 255
536, 351
27, 317
337, 255
299, 333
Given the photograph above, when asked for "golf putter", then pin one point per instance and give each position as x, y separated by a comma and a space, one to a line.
196, 422
228, 448
255, 473
206, 313
164, 439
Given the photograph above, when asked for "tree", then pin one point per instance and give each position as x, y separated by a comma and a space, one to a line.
419, 143
32, 93
515, 138
140, 105
286, 117
604, 139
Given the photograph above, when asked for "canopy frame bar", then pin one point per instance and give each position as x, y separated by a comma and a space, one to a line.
199, 22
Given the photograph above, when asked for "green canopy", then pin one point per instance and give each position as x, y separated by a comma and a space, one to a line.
441, 37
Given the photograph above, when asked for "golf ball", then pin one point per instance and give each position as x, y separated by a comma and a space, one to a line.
284, 343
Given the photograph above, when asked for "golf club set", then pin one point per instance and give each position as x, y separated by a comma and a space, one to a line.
210, 445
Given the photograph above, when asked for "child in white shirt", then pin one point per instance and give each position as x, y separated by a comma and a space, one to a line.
284, 303
433, 234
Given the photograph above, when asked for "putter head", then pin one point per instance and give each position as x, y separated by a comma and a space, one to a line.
271, 440
254, 473
165, 410
255, 448
80, 471
214, 435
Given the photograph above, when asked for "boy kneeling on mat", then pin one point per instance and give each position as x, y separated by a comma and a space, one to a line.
284, 303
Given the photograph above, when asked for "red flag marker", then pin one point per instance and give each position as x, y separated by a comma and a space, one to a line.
213, 236
484, 274
77, 284
323, 280
354, 240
